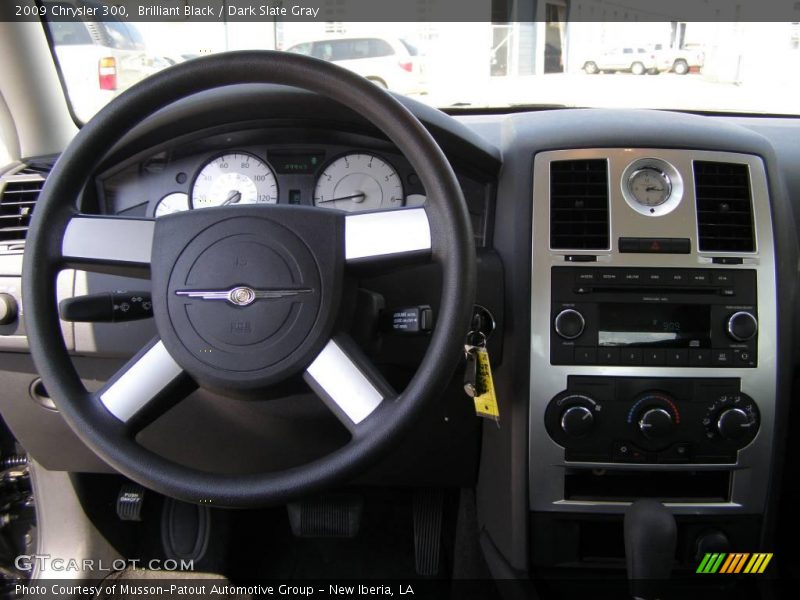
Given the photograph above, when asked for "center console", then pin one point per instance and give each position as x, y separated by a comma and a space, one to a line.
653, 352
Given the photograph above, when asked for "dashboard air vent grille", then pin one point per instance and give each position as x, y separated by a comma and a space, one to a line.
724, 207
17, 201
579, 204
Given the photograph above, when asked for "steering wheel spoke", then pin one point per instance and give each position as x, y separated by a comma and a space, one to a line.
120, 246
395, 234
347, 382
146, 387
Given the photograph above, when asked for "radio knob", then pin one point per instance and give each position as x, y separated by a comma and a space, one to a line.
742, 326
577, 421
8, 309
655, 423
734, 423
569, 324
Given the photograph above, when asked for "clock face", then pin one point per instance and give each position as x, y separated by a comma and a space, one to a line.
652, 186
649, 186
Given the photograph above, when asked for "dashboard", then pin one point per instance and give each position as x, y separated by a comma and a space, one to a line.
639, 269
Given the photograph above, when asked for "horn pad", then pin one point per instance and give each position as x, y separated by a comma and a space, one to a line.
245, 297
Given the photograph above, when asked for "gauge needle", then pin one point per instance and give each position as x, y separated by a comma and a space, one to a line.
360, 195
652, 188
233, 197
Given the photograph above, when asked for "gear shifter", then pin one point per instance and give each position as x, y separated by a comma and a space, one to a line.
650, 539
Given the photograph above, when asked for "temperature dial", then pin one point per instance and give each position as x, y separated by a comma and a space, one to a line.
654, 414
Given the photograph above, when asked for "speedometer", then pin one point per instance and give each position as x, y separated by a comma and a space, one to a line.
356, 182
235, 178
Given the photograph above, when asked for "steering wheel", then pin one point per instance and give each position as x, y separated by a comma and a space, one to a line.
245, 297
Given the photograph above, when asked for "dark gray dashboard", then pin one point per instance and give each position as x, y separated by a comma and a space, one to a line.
493, 156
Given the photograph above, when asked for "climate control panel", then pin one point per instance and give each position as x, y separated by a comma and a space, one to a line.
652, 420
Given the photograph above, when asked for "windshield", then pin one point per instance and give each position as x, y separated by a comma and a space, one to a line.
705, 66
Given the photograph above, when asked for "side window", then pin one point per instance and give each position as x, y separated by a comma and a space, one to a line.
360, 49
627, 51
323, 50
342, 50
68, 33
118, 35
301, 48
378, 47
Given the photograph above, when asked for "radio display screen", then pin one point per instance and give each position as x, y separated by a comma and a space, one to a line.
654, 325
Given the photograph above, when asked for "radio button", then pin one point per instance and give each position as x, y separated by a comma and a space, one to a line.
654, 357
654, 277
699, 357
677, 278
632, 276
569, 324
584, 277
742, 326
608, 356
630, 356
585, 356
723, 278
698, 278
722, 358
678, 357
609, 277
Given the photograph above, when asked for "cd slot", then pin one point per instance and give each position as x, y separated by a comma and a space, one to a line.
630, 289
601, 485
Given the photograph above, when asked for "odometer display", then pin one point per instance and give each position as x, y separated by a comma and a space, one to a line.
235, 178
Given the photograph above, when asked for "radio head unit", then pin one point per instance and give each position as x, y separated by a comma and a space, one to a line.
658, 317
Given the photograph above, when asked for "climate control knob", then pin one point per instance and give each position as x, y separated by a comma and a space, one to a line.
655, 423
8, 309
734, 424
742, 326
569, 324
577, 421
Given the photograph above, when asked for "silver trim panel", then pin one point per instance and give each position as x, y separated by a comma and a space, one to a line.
113, 240
750, 474
140, 383
344, 384
383, 233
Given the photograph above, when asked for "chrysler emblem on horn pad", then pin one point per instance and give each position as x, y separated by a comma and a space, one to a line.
243, 295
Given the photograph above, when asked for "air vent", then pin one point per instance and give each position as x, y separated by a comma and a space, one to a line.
724, 207
17, 201
579, 205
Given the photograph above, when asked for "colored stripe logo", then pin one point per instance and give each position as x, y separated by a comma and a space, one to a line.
734, 562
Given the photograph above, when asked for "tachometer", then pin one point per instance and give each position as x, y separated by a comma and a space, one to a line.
235, 178
356, 182
172, 203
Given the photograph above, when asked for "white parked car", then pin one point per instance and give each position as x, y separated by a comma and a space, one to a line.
99, 60
634, 60
391, 63
679, 60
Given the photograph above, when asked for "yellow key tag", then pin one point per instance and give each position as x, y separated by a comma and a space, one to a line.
485, 400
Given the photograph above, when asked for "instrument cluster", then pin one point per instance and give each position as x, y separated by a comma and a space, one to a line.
232, 170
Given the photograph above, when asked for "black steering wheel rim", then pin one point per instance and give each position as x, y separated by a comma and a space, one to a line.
452, 248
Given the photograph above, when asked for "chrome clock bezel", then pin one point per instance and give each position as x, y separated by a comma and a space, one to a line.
672, 177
